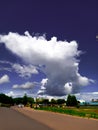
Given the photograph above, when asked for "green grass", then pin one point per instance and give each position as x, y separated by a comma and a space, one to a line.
82, 112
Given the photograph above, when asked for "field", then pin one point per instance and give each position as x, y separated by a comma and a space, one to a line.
86, 111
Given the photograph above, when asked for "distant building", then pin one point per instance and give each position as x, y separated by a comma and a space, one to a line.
94, 100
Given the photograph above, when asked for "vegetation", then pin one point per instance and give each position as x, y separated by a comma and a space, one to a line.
59, 105
25, 100
60, 101
71, 101
5, 100
72, 107
82, 112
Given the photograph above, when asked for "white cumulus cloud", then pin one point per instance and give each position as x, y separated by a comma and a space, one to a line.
25, 71
68, 88
4, 79
43, 88
59, 59
27, 85
43, 83
10, 94
22, 70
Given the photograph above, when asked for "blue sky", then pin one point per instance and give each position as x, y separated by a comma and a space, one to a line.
49, 48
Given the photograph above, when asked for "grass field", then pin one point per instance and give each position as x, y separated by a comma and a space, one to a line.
89, 112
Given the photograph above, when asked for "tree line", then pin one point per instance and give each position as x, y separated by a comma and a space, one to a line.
25, 100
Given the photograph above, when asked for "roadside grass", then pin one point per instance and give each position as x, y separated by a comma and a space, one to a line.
82, 111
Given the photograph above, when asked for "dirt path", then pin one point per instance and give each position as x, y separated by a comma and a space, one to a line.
60, 121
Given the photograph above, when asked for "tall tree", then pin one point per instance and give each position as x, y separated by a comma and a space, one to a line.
53, 101
60, 101
71, 101
25, 99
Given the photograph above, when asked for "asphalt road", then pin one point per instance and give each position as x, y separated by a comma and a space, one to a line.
29, 119
13, 120
58, 121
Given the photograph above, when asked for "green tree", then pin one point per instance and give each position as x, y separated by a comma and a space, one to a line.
45, 101
25, 100
4, 99
31, 101
18, 100
71, 101
53, 101
60, 101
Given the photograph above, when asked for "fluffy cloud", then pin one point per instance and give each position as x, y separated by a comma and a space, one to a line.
27, 85
22, 70
25, 71
43, 83
57, 59
10, 94
68, 88
43, 88
4, 79
84, 81
15, 94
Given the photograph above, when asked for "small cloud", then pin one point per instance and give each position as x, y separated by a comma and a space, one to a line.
10, 94
5, 62
5, 69
84, 81
25, 71
4, 79
96, 36
22, 70
42, 89
95, 93
27, 85
68, 88
43, 83
5, 66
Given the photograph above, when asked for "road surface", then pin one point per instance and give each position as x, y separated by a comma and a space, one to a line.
29, 119
60, 121
13, 120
